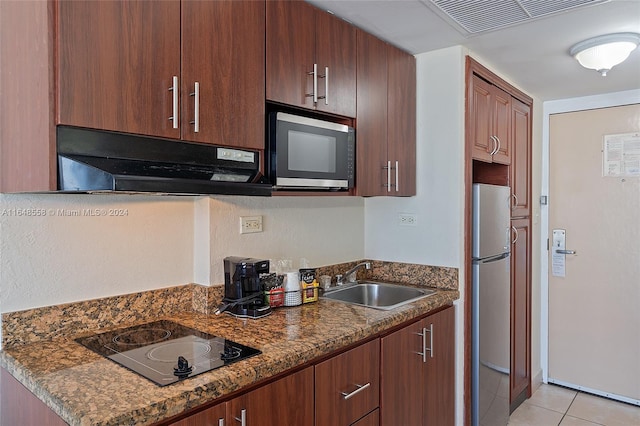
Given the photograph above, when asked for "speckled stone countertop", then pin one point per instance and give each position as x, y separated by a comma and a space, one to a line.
84, 388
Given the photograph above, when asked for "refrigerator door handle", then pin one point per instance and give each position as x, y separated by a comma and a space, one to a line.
491, 258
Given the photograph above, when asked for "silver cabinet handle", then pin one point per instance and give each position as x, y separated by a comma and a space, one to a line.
389, 176
314, 73
243, 417
359, 389
326, 85
517, 234
174, 89
430, 348
515, 199
196, 107
220, 422
397, 181
559, 251
498, 148
494, 145
426, 330
424, 344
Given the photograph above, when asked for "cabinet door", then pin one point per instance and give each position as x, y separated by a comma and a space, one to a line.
214, 416
520, 173
482, 144
501, 124
371, 419
401, 122
223, 51
288, 401
402, 377
116, 62
440, 374
348, 385
520, 377
336, 50
371, 138
290, 52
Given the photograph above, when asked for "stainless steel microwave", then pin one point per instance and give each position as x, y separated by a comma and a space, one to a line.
307, 153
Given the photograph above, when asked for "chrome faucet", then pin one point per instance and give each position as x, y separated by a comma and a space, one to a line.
350, 275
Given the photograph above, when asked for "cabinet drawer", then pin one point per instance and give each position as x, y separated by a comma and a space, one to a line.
348, 385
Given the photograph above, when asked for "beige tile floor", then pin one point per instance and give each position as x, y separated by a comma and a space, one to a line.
554, 405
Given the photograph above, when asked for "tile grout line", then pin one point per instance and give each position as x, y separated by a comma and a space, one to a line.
569, 407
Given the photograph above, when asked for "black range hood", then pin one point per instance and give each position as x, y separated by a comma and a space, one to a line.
100, 161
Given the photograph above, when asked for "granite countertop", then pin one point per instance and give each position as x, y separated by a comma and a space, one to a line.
84, 388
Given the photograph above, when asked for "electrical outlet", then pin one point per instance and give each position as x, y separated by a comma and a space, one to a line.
407, 219
250, 224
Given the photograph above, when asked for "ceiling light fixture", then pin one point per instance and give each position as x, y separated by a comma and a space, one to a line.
604, 52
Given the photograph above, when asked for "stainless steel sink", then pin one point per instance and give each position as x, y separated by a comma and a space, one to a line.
377, 295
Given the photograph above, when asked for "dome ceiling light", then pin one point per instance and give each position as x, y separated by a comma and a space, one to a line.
606, 51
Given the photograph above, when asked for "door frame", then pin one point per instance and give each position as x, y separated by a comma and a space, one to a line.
548, 108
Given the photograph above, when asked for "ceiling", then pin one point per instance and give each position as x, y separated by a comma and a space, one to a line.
532, 54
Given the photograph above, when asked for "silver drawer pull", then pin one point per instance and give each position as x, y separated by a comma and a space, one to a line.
346, 396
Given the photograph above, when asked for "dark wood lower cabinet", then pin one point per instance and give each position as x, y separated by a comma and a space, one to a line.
287, 401
371, 419
348, 385
418, 373
214, 416
21, 407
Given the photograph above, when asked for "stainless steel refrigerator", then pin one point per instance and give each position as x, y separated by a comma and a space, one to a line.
490, 305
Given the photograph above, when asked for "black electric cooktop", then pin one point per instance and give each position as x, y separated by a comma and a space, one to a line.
166, 352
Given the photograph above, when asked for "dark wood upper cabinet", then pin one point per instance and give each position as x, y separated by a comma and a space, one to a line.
116, 63
299, 37
520, 172
386, 119
336, 56
490, 115
371, 137
223, 51
401, 109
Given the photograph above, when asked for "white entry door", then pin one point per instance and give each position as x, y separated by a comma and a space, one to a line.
594, 309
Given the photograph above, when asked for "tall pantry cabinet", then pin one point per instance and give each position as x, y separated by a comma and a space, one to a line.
498, 132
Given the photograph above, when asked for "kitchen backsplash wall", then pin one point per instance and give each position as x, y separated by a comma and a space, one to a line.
60, 248
324, 230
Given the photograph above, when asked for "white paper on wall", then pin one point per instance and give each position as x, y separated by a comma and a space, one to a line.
621, 155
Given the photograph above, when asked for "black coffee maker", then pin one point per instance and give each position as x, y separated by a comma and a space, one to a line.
243, 290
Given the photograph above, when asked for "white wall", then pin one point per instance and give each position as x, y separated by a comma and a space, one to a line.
58, 257
64, 255
324, 230
438, 237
